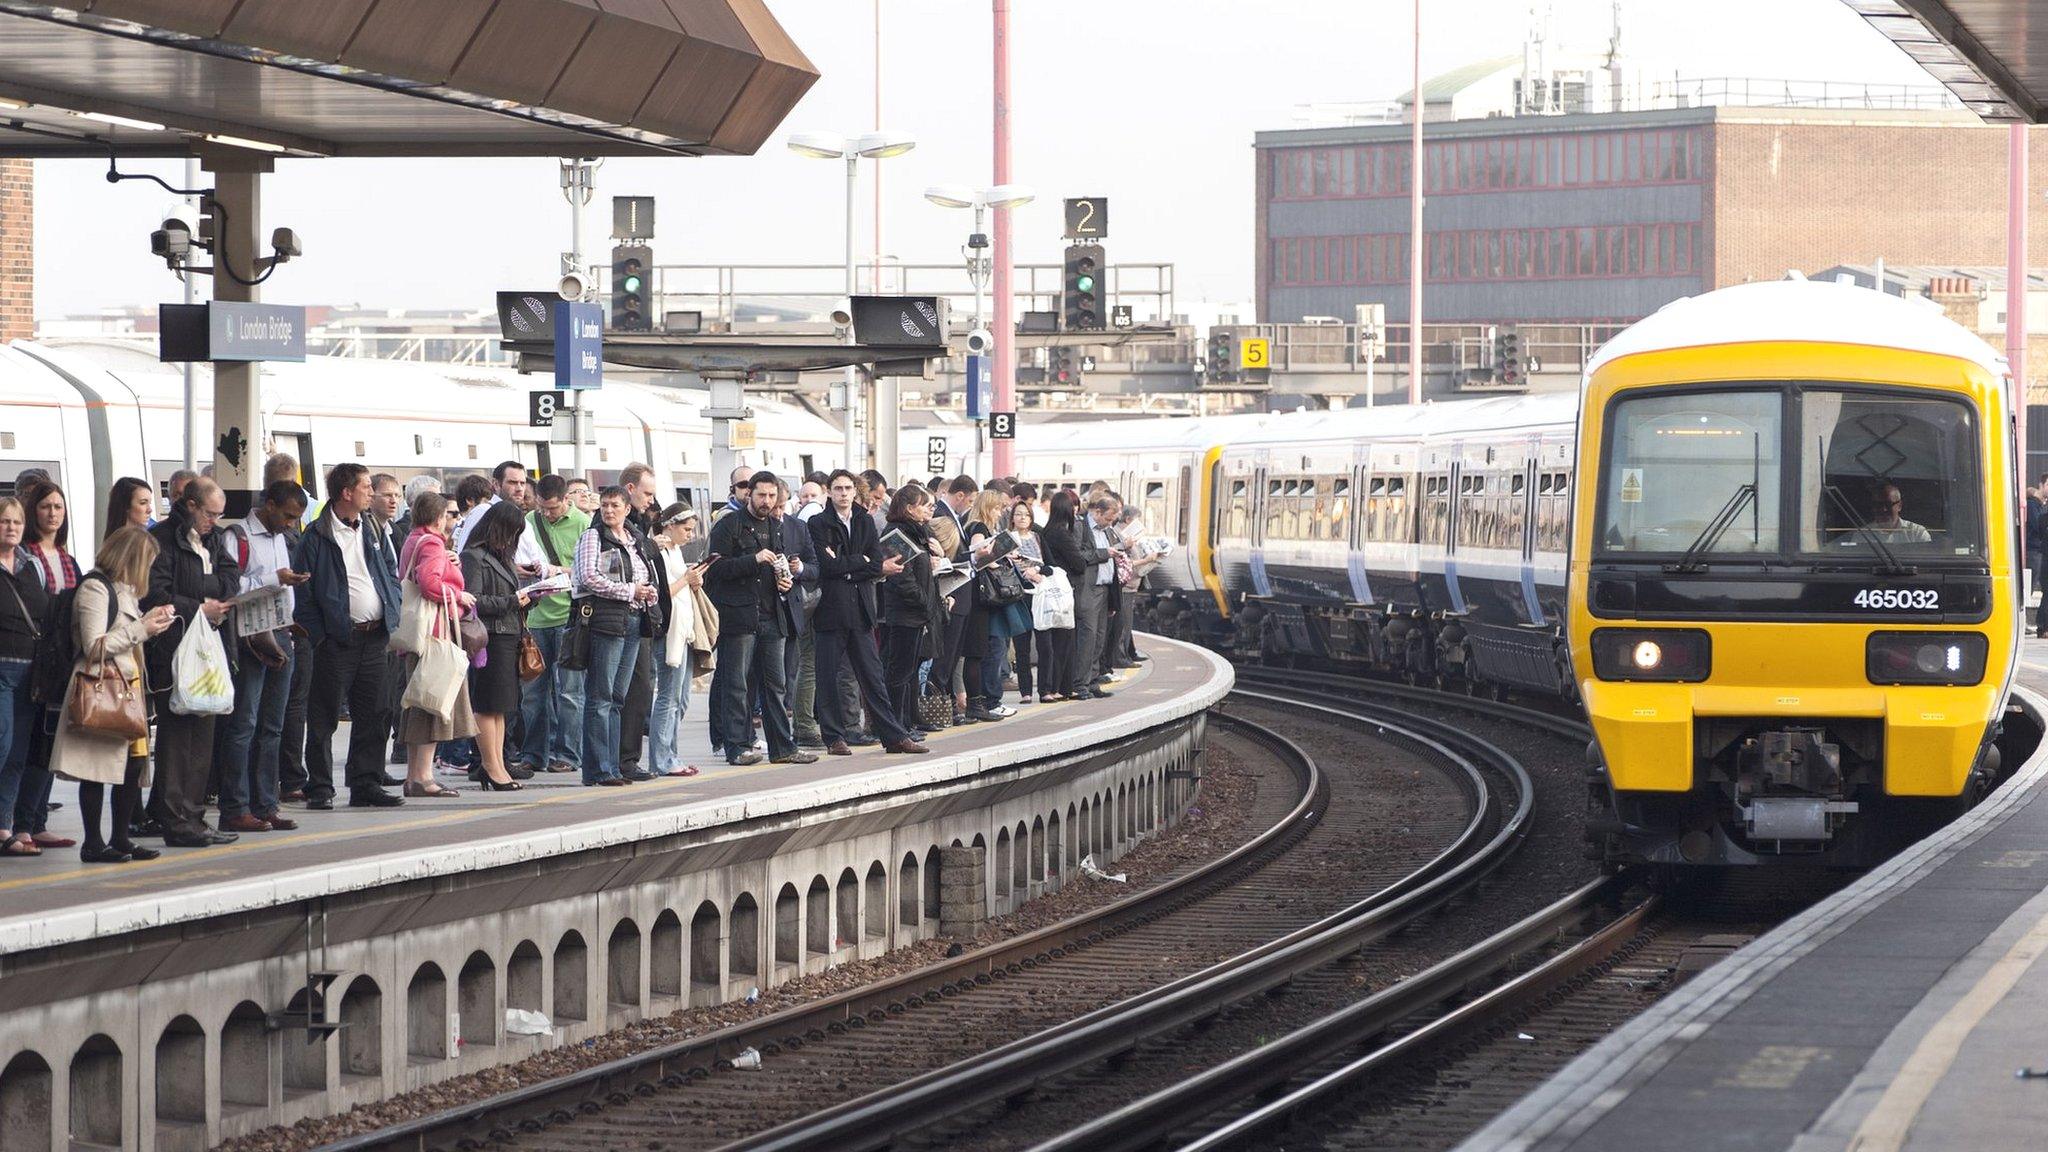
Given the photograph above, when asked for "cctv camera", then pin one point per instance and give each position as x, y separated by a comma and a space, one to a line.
977, 241
841, 317
172, 242
979, 341
571, 286
285, 243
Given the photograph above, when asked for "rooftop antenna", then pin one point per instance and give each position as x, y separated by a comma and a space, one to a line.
1618, 87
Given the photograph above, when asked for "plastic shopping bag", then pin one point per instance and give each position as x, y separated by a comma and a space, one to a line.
200, 682
1052, 602
437, 678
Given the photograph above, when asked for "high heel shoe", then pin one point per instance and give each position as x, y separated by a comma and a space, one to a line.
491, 785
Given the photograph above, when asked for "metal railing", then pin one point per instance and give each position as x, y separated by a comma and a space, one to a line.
740, 294
1334, 347
1678, 92
479, 346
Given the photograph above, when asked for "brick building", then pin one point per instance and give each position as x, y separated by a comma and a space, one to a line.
1603, 217
17, 249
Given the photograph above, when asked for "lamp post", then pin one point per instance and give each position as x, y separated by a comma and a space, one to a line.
873, 146
978, 266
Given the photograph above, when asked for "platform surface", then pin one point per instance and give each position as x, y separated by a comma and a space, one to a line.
1893, 1015
55, 899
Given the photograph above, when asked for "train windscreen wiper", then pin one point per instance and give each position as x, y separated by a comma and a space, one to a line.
1888, 561
1711, 534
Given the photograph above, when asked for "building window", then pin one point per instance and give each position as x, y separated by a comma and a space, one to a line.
1490, 255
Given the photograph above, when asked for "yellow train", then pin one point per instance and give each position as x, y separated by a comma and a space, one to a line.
1793, 600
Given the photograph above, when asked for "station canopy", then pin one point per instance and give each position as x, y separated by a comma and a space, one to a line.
1993, 54
395, 77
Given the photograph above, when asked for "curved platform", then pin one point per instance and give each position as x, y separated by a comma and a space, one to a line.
1893, 1015
211, 993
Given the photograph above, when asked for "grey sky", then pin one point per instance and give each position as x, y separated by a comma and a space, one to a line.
1164, 131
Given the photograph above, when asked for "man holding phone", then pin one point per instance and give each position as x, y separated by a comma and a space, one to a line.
248, 782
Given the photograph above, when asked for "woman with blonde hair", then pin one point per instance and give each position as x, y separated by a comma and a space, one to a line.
110, 626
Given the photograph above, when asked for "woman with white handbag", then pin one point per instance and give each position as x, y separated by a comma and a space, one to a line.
436, 705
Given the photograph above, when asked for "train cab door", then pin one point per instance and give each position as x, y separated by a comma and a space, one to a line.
1531, 472
1455, 500
1354, 540
1261, 584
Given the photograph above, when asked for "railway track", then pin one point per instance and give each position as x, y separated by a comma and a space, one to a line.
1252, 903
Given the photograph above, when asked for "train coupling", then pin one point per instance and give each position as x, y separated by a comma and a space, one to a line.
1784, 818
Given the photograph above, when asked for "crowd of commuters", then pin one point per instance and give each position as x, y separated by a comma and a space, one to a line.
843, 614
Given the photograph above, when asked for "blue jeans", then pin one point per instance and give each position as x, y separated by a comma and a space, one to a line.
671, 704
252, 735
605, 684
17, 723
551, 705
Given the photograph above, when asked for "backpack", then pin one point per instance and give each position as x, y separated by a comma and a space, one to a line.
57, 655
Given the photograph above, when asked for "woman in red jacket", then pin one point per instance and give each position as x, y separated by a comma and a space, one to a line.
426, 561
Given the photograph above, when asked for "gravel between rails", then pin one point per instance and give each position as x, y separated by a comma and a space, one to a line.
1235, 794
1548, 865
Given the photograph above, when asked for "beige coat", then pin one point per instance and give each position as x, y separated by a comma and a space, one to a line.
89, 756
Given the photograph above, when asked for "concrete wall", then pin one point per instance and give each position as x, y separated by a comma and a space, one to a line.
176, 1042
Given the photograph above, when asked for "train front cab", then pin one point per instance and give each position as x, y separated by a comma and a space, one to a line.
1773, 666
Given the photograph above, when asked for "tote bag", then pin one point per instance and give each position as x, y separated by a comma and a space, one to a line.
415, 618
443, 667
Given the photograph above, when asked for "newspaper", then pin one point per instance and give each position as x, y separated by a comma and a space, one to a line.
262, 610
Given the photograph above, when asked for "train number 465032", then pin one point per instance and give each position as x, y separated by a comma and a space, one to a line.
1900, 599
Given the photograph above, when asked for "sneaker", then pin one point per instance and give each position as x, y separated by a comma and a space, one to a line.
798, 757
1001, 711
746, 758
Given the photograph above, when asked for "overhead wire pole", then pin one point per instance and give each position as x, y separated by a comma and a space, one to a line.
1005, 328
191, 399
1415, 225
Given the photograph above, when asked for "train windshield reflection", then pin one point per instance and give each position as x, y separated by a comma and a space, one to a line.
1679, 463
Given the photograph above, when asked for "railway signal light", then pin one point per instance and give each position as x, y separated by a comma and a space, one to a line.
1509, 367
1222, 355
1062, 367
1081, 292
632, 275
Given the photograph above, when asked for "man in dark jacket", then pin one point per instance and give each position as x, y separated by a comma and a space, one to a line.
197, 576
349, 608
2037, 549
799, 673
746, 585
850, 557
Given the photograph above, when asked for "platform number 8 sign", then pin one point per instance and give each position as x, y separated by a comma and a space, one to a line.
542, 406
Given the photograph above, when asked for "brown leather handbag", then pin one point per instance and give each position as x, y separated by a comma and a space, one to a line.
531, 662
103, 701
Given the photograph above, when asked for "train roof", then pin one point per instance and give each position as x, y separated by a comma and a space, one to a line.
1812, 311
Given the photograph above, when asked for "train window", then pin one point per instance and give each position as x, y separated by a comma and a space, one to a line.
1340, 511
1676, 465
1902, 470
1436, 509
1237, 511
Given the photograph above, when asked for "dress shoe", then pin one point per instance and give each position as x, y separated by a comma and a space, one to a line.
745, 758
635, 775
838, 748
375, 798
202, 839
295, 796
1099, 694
246, 822
905, 748
391, 781
135, 852
798, 757
320, 804
104, 855
863, 740
605, 782
279, 822
519, 772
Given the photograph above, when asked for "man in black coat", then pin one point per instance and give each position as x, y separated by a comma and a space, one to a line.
803, 564
747, 588
197, 576
850, 556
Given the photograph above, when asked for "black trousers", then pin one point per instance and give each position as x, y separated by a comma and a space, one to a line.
1056, 675
184, 760
639, 705
902, 652
1021, 645
855, 649
353, 667
291, 746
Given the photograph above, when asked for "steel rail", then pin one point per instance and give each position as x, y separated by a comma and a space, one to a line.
531, 1107
881, 1118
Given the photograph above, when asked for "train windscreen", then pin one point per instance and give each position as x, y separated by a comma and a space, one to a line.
1693, 470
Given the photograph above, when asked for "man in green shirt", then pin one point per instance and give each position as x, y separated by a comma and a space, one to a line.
551, 704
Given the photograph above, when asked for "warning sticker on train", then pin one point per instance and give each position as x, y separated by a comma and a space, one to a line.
1631, 485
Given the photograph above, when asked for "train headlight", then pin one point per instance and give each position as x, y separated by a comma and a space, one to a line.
1954, 658
1671, 654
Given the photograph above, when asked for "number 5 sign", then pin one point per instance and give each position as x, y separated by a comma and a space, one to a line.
1255, 352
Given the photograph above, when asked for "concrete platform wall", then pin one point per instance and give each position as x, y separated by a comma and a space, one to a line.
186, 1037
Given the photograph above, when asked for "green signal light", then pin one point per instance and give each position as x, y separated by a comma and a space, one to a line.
633, 284
1084, 283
